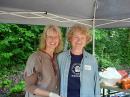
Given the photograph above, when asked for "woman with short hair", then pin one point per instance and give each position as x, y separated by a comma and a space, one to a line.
78, 68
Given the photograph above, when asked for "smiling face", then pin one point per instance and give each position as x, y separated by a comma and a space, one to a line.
78, 40
52, 39
79, 36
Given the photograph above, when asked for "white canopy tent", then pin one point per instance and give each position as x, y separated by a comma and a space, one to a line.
93, 13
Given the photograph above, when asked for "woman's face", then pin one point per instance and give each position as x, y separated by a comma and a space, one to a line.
78, 41
52, 39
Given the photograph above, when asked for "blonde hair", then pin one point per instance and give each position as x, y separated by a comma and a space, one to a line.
43, 38
80, 29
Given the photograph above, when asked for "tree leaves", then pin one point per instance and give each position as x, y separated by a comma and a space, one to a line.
112, 46
17, 42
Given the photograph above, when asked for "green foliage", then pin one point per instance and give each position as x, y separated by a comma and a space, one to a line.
18, 88
17, 42
6, 83
112, 47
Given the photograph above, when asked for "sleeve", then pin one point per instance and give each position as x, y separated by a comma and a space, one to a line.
96, 78
31, 73
58, 60
32, 65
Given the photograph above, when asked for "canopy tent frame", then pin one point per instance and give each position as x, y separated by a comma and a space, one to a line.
68, 20
37, 15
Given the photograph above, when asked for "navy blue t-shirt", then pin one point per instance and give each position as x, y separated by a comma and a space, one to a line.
74, 76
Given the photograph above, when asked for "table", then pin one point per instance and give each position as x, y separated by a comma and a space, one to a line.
114, 88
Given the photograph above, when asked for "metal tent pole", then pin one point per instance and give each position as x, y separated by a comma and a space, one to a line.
93, 28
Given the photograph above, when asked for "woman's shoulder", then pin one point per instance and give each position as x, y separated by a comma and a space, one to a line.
34, 54
89, 55
64, 53
38, 53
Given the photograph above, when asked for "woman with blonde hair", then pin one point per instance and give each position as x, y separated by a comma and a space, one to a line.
41, 72
78, 68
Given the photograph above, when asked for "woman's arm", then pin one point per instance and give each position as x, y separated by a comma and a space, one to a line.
31, 82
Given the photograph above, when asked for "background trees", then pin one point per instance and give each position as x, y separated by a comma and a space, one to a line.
113, 47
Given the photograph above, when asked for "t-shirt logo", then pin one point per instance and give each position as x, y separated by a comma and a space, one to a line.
75, 70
